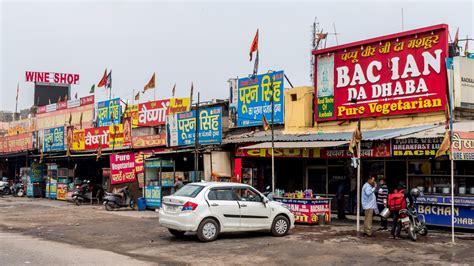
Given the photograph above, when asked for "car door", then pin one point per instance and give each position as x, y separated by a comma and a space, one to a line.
224, 206
254, 213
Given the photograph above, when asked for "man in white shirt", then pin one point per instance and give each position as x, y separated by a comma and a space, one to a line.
369, 204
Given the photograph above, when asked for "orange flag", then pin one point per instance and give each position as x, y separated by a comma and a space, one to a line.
445, 145
356, 138
456, 39
254, 46
151, 84
103, 81
266, 126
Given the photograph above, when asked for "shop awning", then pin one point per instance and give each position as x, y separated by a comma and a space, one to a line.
438, 131
296, 144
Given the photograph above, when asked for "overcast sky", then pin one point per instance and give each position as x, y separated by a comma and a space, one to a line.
203, 42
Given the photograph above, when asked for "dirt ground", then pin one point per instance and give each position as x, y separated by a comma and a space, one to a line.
138, 235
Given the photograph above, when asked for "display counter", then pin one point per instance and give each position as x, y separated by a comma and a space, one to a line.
306, 210
437, 210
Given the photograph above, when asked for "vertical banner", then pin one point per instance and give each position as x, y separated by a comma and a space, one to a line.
325, 85
108, 110
132, 112
254, 99
122, 168
53, 139
78, 143
182, 128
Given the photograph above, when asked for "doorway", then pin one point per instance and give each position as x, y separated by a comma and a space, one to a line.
316, 179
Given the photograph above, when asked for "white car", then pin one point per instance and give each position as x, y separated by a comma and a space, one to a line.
210, 208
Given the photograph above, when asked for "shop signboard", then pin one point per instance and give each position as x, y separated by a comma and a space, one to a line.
17, 143
463, 146
440, 215
107, 136
66, 105
122, 168
37, 172
53, 139
154, 113
132, 111
147, 141
412, 147
370, 149
20, 127
463, 82
153, 196
78, 140
182, 129
255, 100
52, 77
61, 117
109, 112
397, 74
307, 210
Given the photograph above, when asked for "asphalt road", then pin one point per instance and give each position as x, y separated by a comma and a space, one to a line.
46, 232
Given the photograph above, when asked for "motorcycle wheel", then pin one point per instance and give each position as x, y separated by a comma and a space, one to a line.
412, 231
132, 204
77, 201
108, 207
20, 193
423, 229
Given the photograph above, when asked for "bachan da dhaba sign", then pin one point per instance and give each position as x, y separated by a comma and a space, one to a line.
397, 74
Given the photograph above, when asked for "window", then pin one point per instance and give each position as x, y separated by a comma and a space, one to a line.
247, 194
190, 191
221, 194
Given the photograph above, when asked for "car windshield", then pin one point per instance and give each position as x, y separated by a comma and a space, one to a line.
190, 191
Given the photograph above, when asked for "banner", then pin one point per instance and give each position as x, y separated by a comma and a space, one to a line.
154, 113
107, 110
182, 127
398, 74
122, 168
61, 117
463, 146
20, 127
148, 141
66, 105
109, 136
254, 100
78, 142
307, 210
53, 139
416, 147
132, 111
20, 142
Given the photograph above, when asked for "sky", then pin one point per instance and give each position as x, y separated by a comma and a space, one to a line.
203, 42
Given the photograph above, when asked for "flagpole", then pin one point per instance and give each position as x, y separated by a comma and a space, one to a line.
196, 142
358, 181
451, 132
273, 136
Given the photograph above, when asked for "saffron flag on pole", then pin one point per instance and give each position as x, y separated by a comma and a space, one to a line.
356, 138
103, 81
266, 126
137, 96
445, 145
254, 46
92, 89
151, 84
456, 39
191, 93
466, 46
173, 90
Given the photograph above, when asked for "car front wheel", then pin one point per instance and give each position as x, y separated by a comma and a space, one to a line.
208, 230
280, 226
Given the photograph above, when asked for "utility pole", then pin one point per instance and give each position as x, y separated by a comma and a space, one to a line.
196, 142
273, 137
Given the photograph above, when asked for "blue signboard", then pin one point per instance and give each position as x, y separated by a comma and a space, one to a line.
153, 196
254, 100
109, 112
182, 127
53, 139
437, 210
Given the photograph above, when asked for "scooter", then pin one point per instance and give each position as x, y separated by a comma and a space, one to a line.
82, 193
118, 200
18, 189
5, 188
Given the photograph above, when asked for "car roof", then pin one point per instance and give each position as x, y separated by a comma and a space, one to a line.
218, 184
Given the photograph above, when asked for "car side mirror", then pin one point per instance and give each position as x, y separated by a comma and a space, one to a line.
265, 200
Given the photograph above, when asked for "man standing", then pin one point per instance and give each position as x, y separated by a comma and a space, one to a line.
369, 204
382, 195
177, 184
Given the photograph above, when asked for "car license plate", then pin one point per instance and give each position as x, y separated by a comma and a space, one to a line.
171, 208
405, 220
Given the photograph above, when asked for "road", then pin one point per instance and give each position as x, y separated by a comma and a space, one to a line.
46, 232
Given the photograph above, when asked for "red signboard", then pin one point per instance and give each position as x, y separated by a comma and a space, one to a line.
20, 142
52, 77
122, 168
94, 136
41, 109
153, 113
463, 146
148, 141
61, 105
398, 74
87, 100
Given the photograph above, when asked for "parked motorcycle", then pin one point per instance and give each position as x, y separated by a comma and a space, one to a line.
82, 192
18, 189
412, 222
118, 200
4, 188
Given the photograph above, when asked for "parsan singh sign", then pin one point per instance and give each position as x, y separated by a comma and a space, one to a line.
52, 77
397, 74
